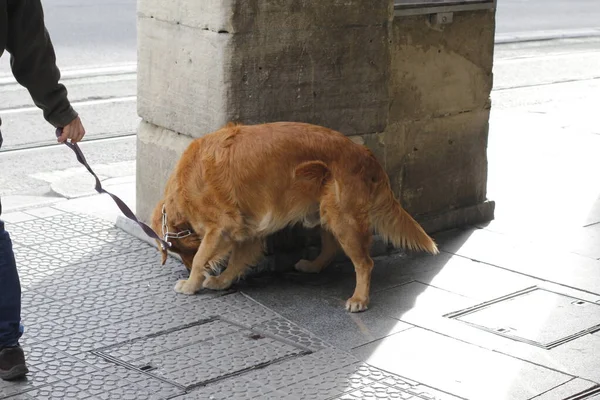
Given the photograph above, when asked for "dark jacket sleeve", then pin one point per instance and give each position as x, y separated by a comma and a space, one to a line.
33, 61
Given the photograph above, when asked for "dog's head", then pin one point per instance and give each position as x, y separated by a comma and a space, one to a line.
186, 246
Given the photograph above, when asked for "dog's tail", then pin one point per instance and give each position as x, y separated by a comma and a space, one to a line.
396, 226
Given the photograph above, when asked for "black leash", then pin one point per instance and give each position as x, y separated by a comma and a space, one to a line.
120, 203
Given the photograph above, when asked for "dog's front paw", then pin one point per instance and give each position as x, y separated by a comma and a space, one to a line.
357, 304
216, 283
307, 267
184, 286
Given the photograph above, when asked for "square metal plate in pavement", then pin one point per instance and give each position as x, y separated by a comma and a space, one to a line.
535, 316
200, 353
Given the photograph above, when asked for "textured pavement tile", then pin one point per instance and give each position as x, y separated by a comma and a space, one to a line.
35, 379
30, 260
91, 340
130, 392
160, 321
81, 249
283, 328
97, 382
95, 361
249, 317
79, 222
66, 368
429, 356
23, 396
167, 362
198, 333
31, 238
290, 372
59, 390
133, 309
192, 375
38, 354
155, 386
229, 389
128, 352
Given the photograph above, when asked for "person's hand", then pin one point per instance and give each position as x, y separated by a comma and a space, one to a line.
74, 131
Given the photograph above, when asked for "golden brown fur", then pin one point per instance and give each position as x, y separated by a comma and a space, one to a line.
236, 186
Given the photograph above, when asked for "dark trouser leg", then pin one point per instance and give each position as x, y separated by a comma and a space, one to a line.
10, 293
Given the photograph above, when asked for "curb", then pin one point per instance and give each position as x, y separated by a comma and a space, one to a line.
535, 36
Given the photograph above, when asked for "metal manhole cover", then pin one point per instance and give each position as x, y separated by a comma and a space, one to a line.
535, 316
200, 353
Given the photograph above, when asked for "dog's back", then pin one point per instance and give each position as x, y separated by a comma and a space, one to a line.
243, 183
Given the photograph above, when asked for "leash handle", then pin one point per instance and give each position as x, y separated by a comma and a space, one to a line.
120, 203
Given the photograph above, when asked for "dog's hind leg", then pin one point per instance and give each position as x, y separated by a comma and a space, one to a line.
352, 230
243, 256
213, 247
329, 249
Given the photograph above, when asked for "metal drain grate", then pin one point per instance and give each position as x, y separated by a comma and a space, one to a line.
200, 353
535, 316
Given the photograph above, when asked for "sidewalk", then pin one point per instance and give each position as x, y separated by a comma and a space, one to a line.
507, 311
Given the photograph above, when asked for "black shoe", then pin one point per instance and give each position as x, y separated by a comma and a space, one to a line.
12, 363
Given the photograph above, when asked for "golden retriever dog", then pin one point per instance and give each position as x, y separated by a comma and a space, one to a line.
234, 187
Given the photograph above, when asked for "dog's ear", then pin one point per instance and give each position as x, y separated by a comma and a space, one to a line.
315, 171
163, 251
164, 256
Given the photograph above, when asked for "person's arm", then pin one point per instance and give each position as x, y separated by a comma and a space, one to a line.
33, 63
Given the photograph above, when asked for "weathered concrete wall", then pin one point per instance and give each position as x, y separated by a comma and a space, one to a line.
158, 150
434, 147
417, 95
436, 140
203, 64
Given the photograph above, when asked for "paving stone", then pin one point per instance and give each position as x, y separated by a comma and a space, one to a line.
95, 361
119, 238
234, 389
31, 238
44, 212
66, 368
91, 340
23, 396
44, 330
427, 357
290, 372
97, 382
33, 260
17, 216
167, 361
59, 390
129, 352
80, 222
130, 392
82, 248
152, 385
328, 385
40, 353
249, 318
160, 321
283, 328
198, 333
133, 309
192, 374
35, 379
320, 310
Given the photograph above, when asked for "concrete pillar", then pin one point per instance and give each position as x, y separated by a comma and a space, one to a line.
204, 63
417, 96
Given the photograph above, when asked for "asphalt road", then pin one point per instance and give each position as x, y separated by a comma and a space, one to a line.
515, 16
95, 41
